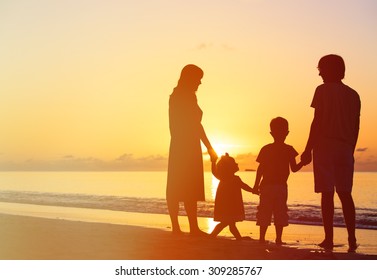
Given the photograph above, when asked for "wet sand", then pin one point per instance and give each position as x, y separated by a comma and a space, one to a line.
147, 237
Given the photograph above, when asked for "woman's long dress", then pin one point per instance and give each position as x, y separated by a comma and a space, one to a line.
185, 168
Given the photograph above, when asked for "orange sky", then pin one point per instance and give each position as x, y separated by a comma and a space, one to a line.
85, 84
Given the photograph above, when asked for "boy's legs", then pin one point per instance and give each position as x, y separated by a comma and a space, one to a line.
279, 233
280, 212
327, 207
264, 213
262, 233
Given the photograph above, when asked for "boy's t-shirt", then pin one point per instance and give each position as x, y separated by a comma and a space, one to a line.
339, 108
275, 159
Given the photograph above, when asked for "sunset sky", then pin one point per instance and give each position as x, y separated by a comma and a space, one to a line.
84, 84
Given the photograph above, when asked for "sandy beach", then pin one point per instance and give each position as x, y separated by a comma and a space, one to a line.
57, 233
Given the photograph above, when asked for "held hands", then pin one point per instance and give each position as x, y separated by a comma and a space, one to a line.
306, 157
212, 154
255, 190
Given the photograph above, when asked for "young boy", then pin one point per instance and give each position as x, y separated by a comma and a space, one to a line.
271, 180
333, 136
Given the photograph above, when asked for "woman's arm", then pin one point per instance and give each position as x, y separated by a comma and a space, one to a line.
204, 139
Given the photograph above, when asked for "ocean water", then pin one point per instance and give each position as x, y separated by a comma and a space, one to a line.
145, 192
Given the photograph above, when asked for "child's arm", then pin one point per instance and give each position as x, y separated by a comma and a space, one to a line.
246, 187
258, 178
214, 169
295, 166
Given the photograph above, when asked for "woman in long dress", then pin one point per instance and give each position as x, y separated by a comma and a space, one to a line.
185, 181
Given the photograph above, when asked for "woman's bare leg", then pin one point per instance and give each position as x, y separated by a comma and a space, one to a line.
173, 208
191, 210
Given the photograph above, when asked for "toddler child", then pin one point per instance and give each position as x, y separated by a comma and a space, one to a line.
229, 207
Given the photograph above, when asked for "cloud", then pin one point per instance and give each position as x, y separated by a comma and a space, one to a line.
207, 46
129, 162
361, 149
203, 46
245, 161
125, 162
367, 165
124, 157
227, 47
68, 156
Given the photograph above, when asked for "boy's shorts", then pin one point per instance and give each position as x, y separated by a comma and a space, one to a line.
333, 165
273, 201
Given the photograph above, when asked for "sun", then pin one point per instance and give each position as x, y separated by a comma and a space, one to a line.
224, 145
222, 148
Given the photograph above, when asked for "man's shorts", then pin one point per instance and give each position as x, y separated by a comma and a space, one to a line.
333, 165
273, 201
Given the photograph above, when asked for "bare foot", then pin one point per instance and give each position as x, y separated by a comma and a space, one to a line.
244, 238
352, 247
199, 233
177, 232
327, 245
280, 243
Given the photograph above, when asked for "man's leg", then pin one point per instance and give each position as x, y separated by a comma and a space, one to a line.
348, 207
327, 206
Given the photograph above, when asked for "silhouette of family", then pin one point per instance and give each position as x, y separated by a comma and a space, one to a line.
330, 145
